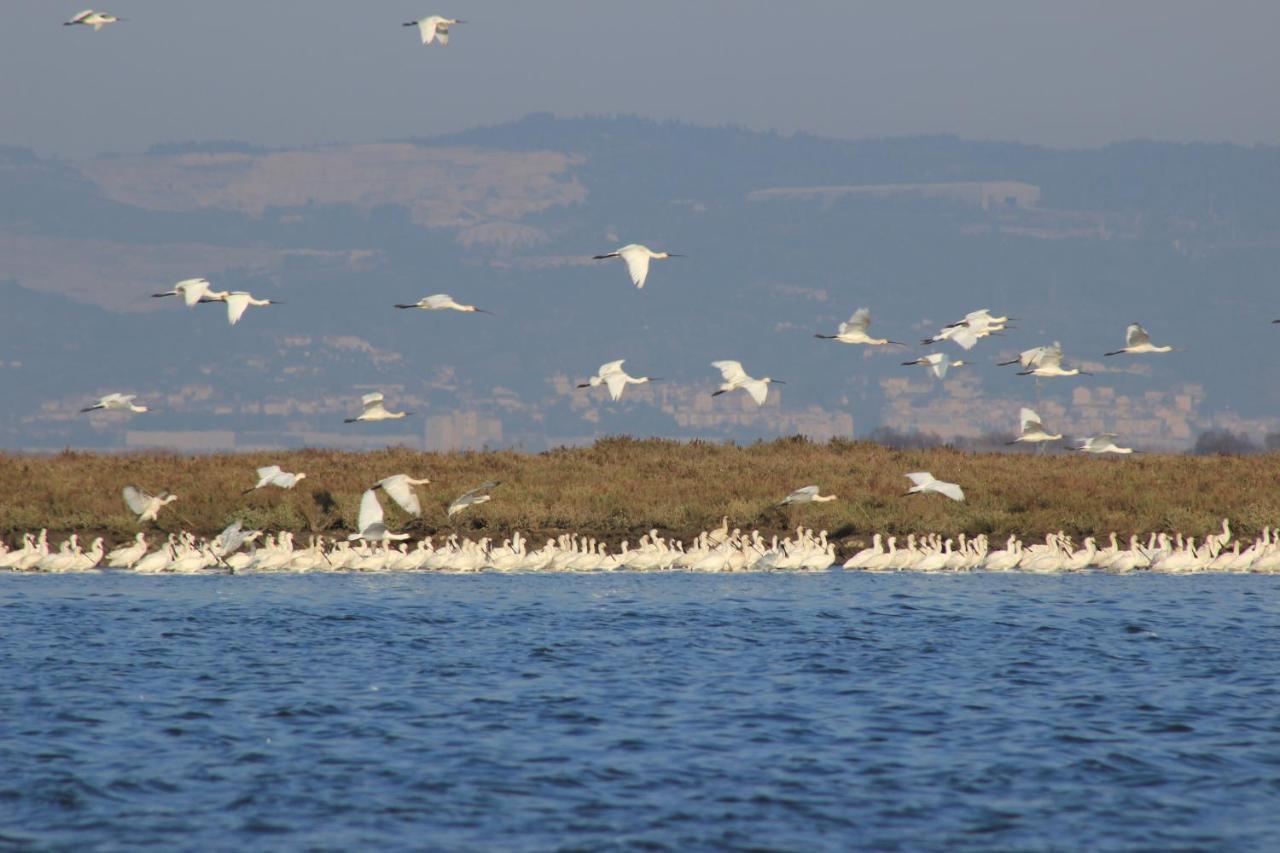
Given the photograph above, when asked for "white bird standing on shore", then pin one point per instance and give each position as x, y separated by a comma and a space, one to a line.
400, 488
116, 403
1031, 430
434, 27
637, 258
237, 301
146, 506
1137, 341
854, 331
807, 494
1103, 443
443, 302
274, 475
1050, 364
478, 495
194, 290
613, 377
374, 410
735, 377
90, 18
937, 363
925, 482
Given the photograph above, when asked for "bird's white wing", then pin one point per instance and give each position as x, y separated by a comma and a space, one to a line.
731, 370
427, 29
236, 303
438, 301
806, 491
920, 478
370, 510
616, 382
611, 367
951, 490
80, 16
269, 471
1051, 357
858, 321
637, 265
1031, 357
1030, 420
442, 33
370, 400
136, 499
1135, 335
964, 336
758, 390
192, 289
403, 494
939, 367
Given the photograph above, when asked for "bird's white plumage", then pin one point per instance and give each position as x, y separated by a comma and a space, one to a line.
274, 475
926, 482
478, 495
1103, 443
116, 402
237, 301
374, 410
370, 510
637, 257
1135, 335
400, 488
735, 377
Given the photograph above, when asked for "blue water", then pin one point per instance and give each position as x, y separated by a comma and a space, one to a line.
810, 712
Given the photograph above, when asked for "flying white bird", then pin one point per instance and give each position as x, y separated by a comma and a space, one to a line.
925, 482
370, 523
478, 495
443, 302
274, 475
937, 363
968, 331
434, 27
612, 376
637, 258
144, 505
194, 290
1137, 341
90, 18
1031, 430
854, 331
1102, 443
1027, 358
1050, 364
808, 494
400, 488
735, 377
116, 402
374, 410
237, 301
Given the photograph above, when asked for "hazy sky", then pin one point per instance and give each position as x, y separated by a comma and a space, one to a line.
282, 72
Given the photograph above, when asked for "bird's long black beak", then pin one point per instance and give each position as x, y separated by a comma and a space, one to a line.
90, 409
585, 385
897, 343
674, 255
409, 24
778, 381
406, 306
482, 311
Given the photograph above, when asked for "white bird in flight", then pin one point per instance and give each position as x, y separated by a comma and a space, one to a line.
968, 331
374, 410
925, 482
637, 258
434, 27
854, 331
1137, 341
144, 505
937, 363
1103, 443
807, 494
735, 377
443, 302
237, 301
370, 521
613, 377
274, 475
116, 402
400, 488
1031, 430
90, 18
478, 495
1027, 358
194, 290
1050, 364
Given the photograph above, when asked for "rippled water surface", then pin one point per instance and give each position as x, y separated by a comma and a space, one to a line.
659, 711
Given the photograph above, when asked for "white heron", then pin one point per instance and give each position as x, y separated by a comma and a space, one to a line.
613, 377
434, 28
1137, 341
146, 506
478, 495
637, 258
400, 488
854, 331
1050, 364
274, 475
735, 377
444, 302
1102, 443
116, 403
237, 301
90, 18
193, 291
805, 495
1031, 430
925, 482
374, 410
370, 521
937, 363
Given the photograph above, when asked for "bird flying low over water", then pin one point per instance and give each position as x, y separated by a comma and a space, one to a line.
374, 410
1050, 364
274, 475
805, 495
925, 482
637, 258
1102, 443
1137, 341
370, 521
443, 302
400, 488
194, 290
434, 28
735, 377
1030, 428
478, 495
937, 363
116, 403
613, 377
90, 18
854, 331
146, 506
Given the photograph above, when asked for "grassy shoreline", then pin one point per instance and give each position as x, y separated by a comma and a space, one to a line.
619, 488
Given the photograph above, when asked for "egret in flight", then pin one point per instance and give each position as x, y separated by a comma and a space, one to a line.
193, 290
478, 495
854, 331
90, 18
116, 402
1102, 443
374, 410
735, 377
613, 377
1050, 364
937, 363
274, 475
637, 258
925, 482
434, 27
1137, 341
146, 506
237, 301
370, 523
444, 302
400, 488
1031, 430
808, 494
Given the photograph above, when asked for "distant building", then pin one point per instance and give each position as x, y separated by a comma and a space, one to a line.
988, 195
184, 441
462, 431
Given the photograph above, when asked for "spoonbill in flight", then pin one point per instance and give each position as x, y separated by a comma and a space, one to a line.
1050, 364
144, 505
1102, 443
937, 363
274, 475
370, 521
1027, 358
116, 402
478, 495
613, 377
90, 18
925, 482
374, 410
1137, 341
434, 27
400, 488
237, 301
968, 331
444, 302
637, 258
1031, 430
193, 290
854, 331
808, 494
735, 377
